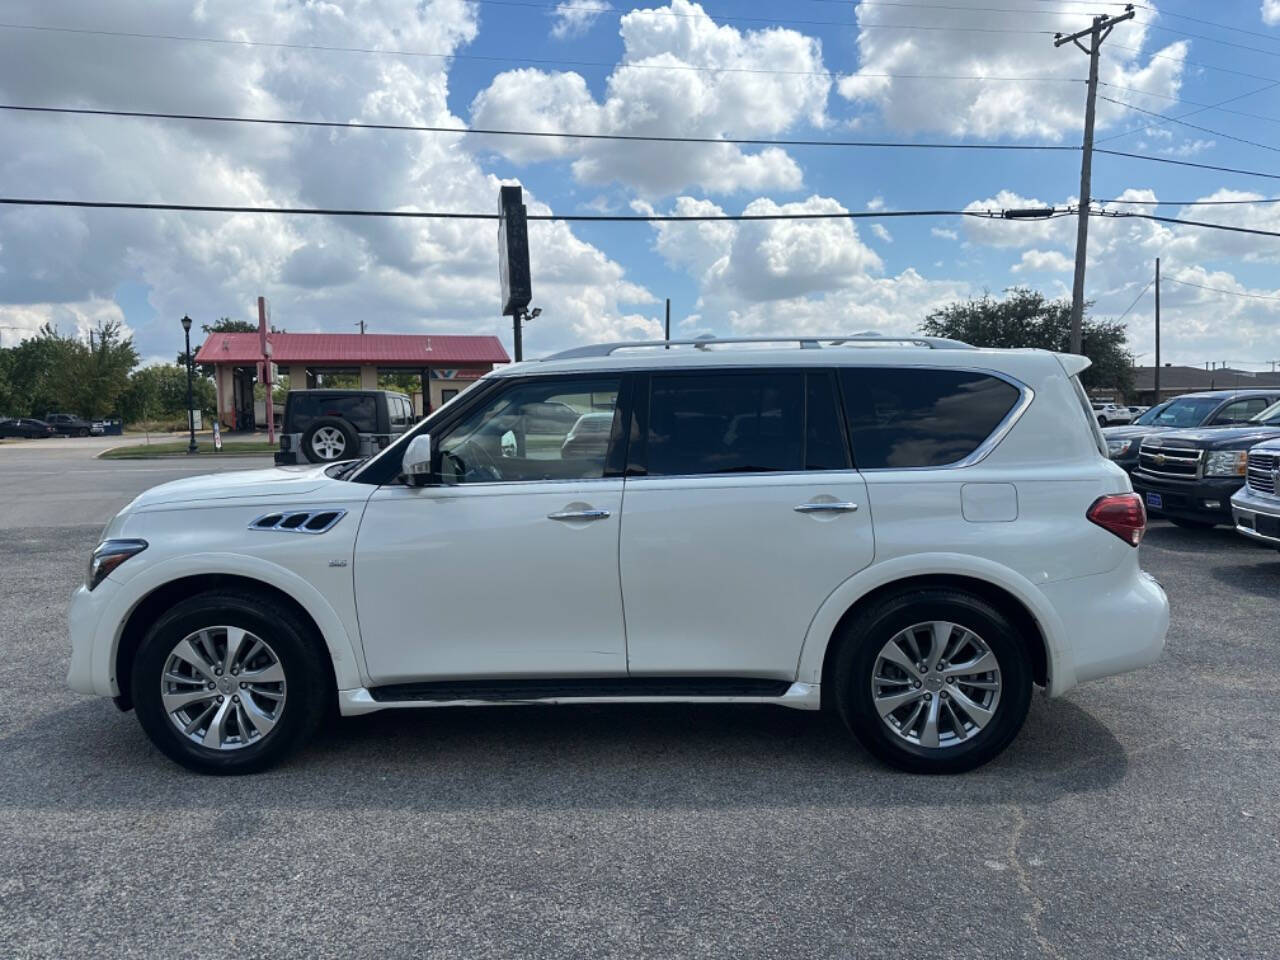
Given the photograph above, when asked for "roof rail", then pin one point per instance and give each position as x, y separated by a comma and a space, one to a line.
809, 342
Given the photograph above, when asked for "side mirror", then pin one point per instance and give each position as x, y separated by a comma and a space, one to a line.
416, 464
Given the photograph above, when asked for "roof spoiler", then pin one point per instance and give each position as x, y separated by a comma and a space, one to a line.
1074, 364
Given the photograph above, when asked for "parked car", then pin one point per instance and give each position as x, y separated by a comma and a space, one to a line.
326, 426
1190, 476
68, 425
97, 428
25, 427
913, 532
1213, 408
1111, 413
1256, 506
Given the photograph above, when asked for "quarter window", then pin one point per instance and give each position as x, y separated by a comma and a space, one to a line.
546, 430
919, 417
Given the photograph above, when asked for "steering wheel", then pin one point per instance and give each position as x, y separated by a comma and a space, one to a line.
484, 467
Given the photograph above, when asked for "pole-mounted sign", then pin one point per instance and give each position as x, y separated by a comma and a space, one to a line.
513, 259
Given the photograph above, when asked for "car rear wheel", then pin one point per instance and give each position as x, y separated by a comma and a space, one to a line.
229, 683
933, 681
330, 439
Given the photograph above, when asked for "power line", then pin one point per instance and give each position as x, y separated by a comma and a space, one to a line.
1136, 299
1129, 214
448, 215
1201, 108
1230, 293
1193, 126
330, 48
1197, 63
486, 131
1187, 163
1190, 203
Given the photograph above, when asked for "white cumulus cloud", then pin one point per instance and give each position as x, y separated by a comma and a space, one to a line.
685, 75
575, 17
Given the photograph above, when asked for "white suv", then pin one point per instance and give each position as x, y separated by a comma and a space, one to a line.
911, 532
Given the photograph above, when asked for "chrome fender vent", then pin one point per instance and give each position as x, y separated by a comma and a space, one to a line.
299, 521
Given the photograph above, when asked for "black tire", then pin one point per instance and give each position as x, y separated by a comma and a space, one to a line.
308, 692
82, 433
861, 641
1102, 421
350, 451
1191, 524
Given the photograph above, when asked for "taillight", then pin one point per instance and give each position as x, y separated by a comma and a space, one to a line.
1122, 514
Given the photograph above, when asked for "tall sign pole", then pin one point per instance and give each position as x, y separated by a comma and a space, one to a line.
1157, 378
265, 346
1101, 29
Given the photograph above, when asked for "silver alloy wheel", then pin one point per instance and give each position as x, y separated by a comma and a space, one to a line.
223, 688
328, 443
936, 684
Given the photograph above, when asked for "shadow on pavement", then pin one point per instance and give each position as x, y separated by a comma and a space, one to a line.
588, 757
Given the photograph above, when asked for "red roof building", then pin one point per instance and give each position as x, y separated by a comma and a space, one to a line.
446, 363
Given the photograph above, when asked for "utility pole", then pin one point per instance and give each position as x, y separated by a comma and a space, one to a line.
668, 325
1101, 29
360, 324
1157, 400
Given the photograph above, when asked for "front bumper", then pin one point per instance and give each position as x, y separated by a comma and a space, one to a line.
90, 671
1207, 500
1257, 517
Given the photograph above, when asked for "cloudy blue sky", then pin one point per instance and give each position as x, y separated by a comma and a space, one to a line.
811, 69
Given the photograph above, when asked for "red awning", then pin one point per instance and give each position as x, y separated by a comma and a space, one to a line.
352, 349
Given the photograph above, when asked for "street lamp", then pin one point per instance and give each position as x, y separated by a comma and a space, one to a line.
191, 414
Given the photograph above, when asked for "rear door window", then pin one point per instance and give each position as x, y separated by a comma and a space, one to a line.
1240, 411
902, 417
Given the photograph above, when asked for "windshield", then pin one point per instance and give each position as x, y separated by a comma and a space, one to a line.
1269, 416
1186, 412
1150, 415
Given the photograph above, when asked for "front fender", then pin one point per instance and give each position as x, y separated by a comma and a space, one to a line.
814, 650
343, 648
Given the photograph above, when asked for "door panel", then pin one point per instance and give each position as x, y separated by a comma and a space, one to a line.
477, 580
722, 574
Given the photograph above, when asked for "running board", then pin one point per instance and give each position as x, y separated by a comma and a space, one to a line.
804, 696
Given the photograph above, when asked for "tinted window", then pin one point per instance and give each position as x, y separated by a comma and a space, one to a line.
1186, 412
1238, 411
1269, 416
725, 423
913, 417
824, 446
397, 412
360, 411
548, 430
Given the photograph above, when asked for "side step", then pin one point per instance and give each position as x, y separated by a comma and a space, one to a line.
508, 691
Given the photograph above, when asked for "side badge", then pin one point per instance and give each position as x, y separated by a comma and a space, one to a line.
337, 563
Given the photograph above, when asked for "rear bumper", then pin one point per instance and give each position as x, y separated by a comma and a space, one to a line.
1112, 623
1257, 517
1207, 500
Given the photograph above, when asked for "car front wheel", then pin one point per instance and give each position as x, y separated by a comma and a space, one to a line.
933, 681
229, 683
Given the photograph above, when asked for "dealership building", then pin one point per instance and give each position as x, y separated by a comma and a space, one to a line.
445, 365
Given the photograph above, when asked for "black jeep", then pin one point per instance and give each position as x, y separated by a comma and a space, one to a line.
324, 426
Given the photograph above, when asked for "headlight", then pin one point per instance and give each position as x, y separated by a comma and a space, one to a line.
108, 555
1118, 448
1226, 463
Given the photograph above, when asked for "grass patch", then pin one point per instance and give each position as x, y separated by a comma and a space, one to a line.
178, 448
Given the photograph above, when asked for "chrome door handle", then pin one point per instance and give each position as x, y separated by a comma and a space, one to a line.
834, 506
579, 515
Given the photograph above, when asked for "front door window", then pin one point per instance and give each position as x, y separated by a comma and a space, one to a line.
549, 430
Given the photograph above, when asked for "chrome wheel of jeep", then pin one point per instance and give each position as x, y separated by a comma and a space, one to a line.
936, 684
223, 688
328, 443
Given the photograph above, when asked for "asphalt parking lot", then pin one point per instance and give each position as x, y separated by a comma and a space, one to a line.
1135, 817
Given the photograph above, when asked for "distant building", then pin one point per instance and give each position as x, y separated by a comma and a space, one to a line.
446, 364
1175, 381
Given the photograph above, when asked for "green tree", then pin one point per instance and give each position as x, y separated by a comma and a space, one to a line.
160, 392
1025, 318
